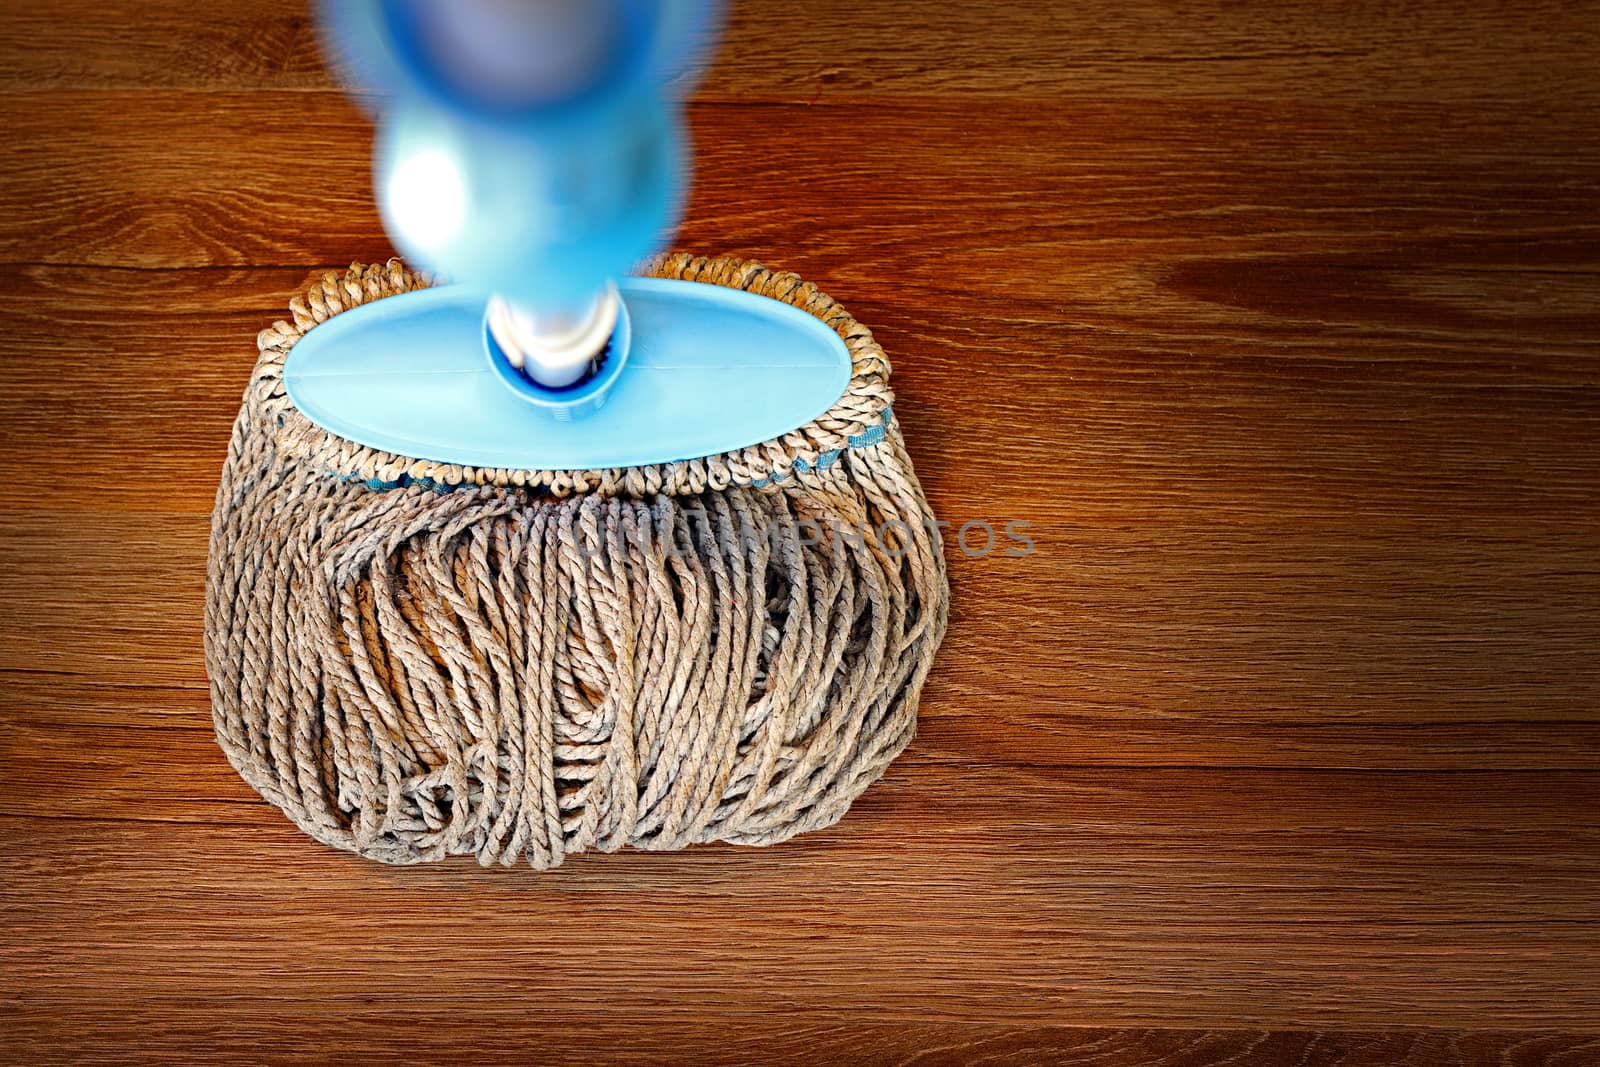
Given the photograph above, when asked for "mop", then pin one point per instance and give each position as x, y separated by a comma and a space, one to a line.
546, 560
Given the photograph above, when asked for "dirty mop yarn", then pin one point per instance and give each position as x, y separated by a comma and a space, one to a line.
418, 660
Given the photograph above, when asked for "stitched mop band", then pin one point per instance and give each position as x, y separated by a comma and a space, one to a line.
418, 660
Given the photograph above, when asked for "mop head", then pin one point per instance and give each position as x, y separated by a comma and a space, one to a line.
418, 660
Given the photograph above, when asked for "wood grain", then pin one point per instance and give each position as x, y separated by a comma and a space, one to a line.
1279, 324
256, 1032
835, 51
1148, 647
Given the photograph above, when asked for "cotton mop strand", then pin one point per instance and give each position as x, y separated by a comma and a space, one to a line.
458, 649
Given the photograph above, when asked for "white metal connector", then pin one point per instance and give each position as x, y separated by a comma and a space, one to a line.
552, 349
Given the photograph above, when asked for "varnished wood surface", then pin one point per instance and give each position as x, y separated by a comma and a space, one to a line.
1280, 325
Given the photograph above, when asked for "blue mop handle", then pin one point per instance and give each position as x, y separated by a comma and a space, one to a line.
525, 147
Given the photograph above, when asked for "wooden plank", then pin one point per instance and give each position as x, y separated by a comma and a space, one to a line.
240, 44
1033, 205
1094, 425
159, 1032
1393, 628
198, 180
1158, 900
980, 717
831, 51
131, 774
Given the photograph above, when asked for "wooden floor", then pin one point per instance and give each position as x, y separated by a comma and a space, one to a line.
1280, 323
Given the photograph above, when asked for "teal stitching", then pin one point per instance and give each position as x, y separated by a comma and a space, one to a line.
872, 435
405, 481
